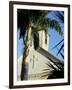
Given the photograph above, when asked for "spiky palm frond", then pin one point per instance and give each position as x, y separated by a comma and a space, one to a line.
60, 16
48, 23
61, 43
22, 22
62, 46
58, 43
62, 55
53, 71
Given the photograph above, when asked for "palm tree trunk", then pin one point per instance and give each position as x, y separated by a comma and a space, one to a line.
24, 70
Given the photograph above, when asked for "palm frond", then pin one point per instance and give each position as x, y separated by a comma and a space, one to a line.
44, 75
52, 72
46, 69
22, 21
60, 16
51, 65
62, 55
57, 64
54, 24
47, 22
38, 28
60, 48
58, 43
37, 15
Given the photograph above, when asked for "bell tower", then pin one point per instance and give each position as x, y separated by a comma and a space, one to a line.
41, 40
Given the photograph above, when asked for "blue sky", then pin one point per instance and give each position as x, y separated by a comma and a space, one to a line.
54, 37
53, 40
19, 45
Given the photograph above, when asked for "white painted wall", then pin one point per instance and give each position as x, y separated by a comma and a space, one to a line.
4, 45
42, 40
36, 65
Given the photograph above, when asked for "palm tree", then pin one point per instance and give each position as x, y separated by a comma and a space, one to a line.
29, 23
